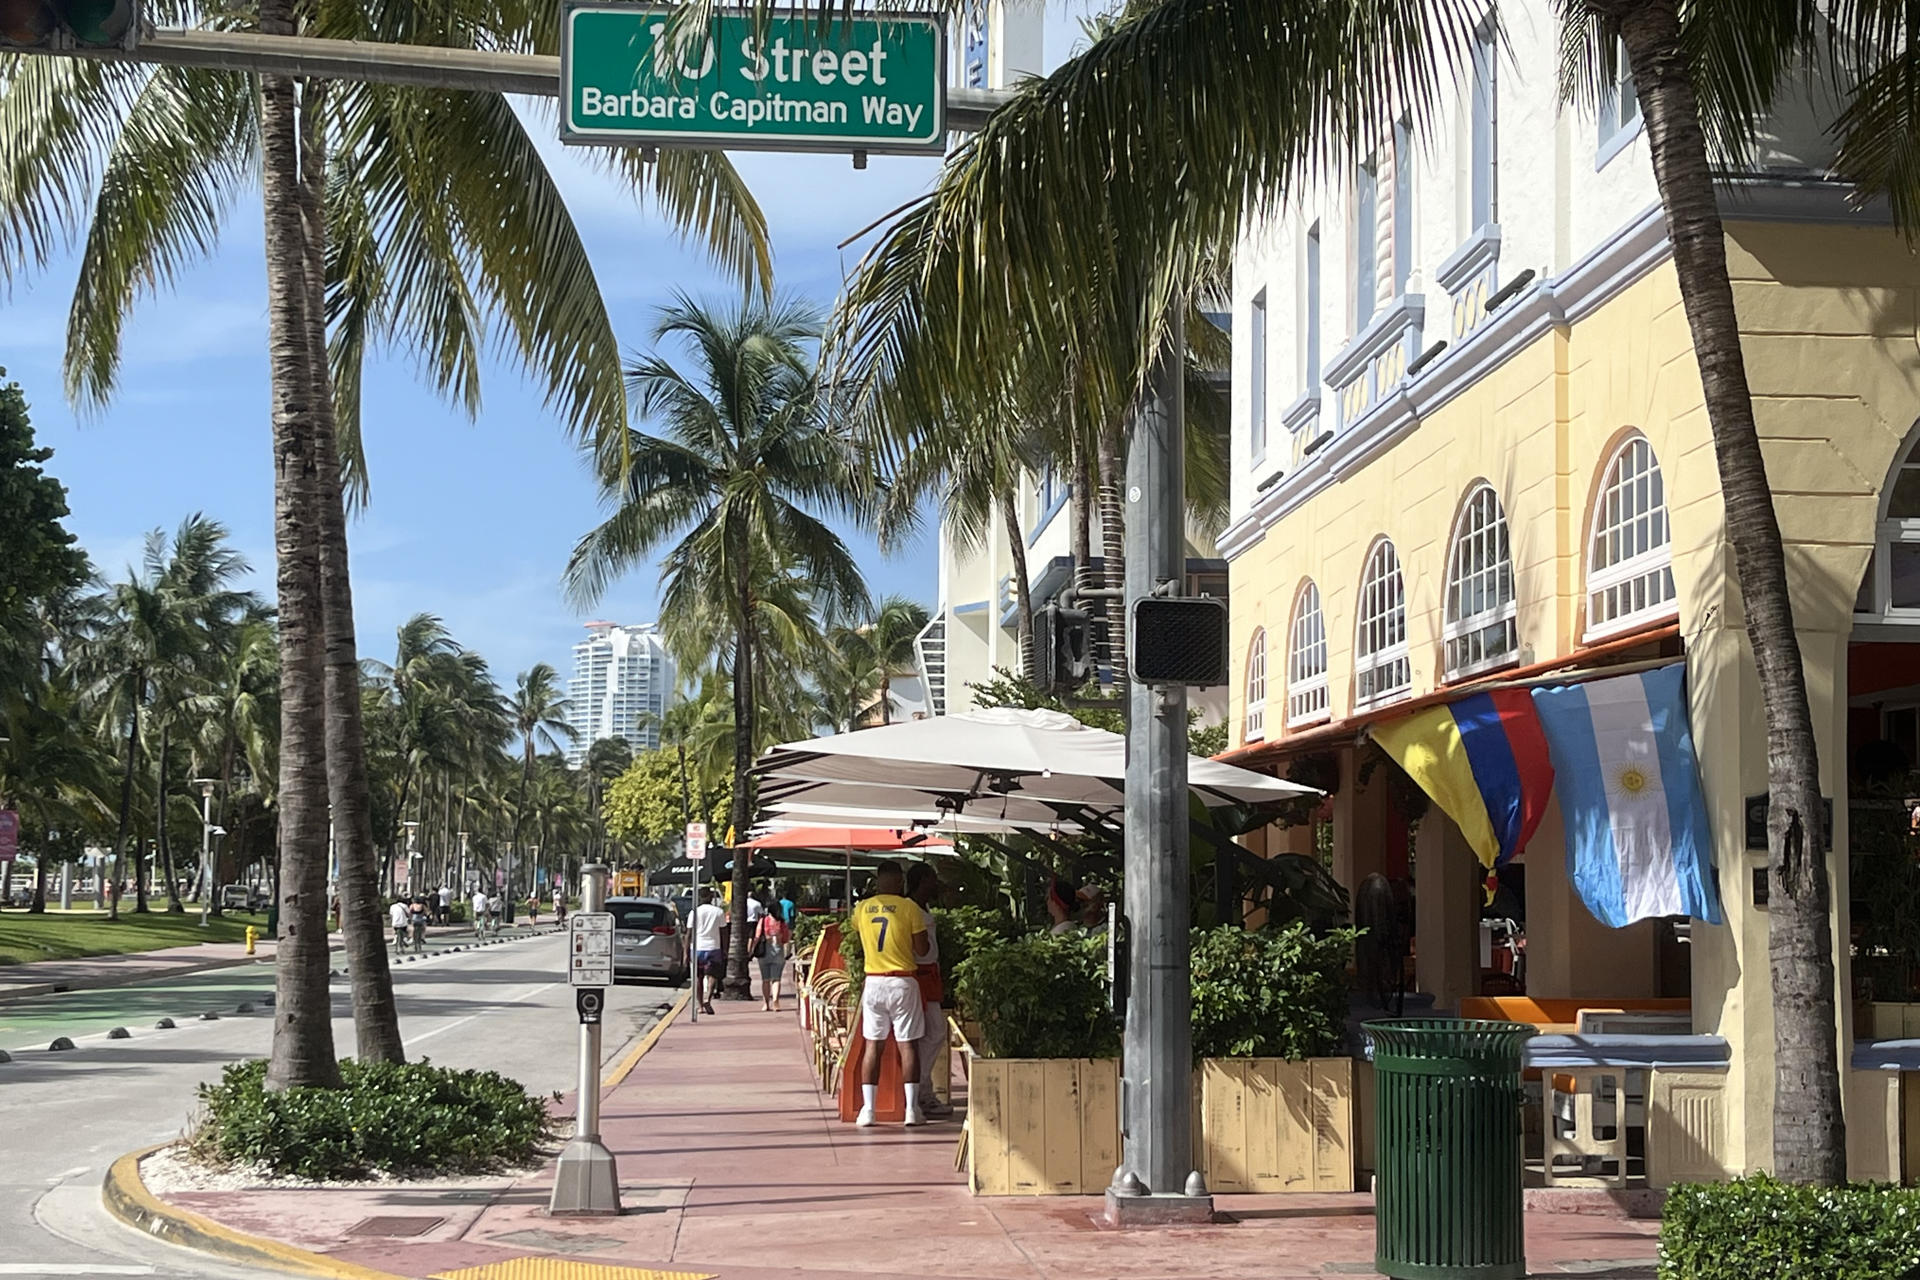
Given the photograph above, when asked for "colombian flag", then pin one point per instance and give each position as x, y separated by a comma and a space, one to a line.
1484, 761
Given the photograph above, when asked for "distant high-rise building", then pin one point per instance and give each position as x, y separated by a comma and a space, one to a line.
619, 675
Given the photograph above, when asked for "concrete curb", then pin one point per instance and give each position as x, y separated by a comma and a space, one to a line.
126, 1197
615, 1078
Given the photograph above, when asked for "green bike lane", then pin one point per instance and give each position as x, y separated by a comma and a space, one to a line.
33, 1023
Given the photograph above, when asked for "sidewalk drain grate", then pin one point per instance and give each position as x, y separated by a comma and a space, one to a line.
394, 1225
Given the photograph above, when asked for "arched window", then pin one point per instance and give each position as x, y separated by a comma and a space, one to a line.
1381, 670
1256, 728
1891, 589
1480, 629
1630, 558
1307, 660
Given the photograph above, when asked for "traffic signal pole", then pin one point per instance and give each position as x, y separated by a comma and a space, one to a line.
531, 74
1156, 1183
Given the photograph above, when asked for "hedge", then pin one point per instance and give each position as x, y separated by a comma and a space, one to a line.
407, 1118
1762, 1229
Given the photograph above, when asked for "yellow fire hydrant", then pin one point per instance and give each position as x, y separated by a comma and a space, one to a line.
252, 933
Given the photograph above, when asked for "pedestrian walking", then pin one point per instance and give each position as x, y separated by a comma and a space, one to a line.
708, 957
493, 912
402, 920
770, 944
478, 905
533, 908
417, 918
446, 905
893, 933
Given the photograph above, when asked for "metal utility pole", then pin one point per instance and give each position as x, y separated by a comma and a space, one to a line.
1156, 1181
587, 1180
207, 876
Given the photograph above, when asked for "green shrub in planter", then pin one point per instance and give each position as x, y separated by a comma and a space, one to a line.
965, 930
407, 1118
1269, 993
808, 928
1761, 1229
1040, 997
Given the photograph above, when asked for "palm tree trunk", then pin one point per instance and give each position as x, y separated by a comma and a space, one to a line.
39, 903
303, 1049
126, 800
1022, 586
1809, 1134
162, 845
376, 1018
1081, 513
1113, 556
738, 985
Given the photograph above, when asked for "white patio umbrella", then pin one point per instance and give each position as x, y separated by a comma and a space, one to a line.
926, 816
1001, 763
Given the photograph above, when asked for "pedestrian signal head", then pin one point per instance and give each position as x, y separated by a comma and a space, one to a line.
69, 24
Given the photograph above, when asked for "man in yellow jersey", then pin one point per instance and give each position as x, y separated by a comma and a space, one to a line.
893, 935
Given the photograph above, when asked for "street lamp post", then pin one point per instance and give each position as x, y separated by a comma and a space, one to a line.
206, 786
412, 853
466, 885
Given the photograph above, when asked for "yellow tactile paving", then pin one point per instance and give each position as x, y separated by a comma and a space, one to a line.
563, 1269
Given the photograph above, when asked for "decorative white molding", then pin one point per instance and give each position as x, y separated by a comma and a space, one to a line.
1633, 252
1376, 360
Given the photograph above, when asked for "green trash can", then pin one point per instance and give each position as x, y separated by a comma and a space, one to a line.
1447, 1157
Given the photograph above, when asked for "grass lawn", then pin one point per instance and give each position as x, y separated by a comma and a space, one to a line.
67, 936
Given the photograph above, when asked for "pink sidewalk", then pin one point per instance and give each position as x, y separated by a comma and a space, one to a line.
733, 1165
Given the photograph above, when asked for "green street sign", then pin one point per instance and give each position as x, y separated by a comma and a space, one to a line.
789, 83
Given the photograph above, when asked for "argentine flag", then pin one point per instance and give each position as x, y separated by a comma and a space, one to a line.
1636, 822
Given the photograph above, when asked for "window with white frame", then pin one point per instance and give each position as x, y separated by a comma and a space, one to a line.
1307, 660
1381, 669
1630, 556
1891, 589
1483, 152
1311, 329
1619, 109
1256, 726
1481, 629
1257, 384
1366, 231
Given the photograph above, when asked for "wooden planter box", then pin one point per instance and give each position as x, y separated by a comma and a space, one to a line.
1269, 1125
1042, 1126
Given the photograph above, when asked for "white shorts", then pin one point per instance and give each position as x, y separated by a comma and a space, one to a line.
892, 1004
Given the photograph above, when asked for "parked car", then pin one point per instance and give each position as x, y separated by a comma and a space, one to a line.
242, 897
647, 941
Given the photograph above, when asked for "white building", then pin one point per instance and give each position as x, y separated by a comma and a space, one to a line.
619, 675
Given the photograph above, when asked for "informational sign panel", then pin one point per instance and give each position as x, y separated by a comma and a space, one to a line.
9, 835
590, 949
783, 83
696, 841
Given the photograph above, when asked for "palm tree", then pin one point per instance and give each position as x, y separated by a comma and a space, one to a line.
742, 464
539, 714
146, 641
439, 224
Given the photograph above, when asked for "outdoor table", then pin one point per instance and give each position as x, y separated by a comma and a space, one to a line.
1590, 1059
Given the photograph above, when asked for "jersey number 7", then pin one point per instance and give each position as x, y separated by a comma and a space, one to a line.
881, 924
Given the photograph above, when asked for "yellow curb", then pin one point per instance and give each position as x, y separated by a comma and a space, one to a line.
127, 1198
632, 1060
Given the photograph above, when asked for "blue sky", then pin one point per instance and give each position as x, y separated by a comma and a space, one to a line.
471, 520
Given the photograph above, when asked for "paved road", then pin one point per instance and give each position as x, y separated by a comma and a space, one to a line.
66, 1116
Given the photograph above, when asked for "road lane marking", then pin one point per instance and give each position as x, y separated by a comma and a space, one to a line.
516, 998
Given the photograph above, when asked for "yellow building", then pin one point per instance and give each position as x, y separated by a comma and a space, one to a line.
1539, 495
